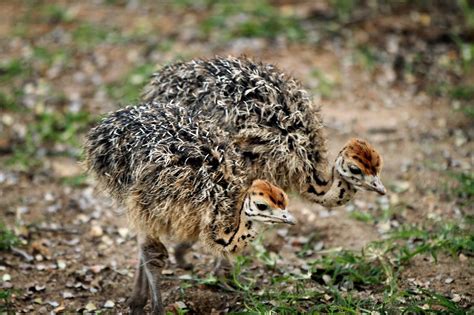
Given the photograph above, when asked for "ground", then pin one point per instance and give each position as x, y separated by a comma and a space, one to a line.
400, 76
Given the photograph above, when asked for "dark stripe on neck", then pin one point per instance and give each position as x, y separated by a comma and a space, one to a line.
341, 193
222, 241
311, 190
320, 182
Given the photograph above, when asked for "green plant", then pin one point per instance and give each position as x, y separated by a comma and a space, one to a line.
59, 127
47, 130
50, 56
56, 14
128, 89
347, 268
7, 102
431, 239
462, 190
367, 57
7, 238
5, 304
250, 18
12, 69
468, 11
362, 216
325, 85
344, 8
75, 181
88, 35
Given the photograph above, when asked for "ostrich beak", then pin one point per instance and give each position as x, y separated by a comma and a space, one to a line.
376, 185
283, 216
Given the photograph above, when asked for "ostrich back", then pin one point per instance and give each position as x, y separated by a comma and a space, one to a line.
173, 171
266, 113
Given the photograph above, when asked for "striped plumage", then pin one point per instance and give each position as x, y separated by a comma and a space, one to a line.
168, 164
268, 114
269, 117
179, 177
186, 161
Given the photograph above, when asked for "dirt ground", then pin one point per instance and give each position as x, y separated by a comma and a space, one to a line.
76, 252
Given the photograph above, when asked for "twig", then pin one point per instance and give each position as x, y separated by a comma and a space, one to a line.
22, 253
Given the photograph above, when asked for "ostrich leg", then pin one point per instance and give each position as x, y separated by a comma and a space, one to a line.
140, 289
154, 256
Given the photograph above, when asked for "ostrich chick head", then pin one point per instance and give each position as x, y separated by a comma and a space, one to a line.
360, 164
267, 203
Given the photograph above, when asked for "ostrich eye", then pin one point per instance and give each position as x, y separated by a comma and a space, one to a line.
262, 206
355, 170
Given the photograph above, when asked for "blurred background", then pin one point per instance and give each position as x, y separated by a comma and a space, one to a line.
398, 73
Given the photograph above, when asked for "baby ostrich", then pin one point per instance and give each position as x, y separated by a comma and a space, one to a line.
179, 177
277, 130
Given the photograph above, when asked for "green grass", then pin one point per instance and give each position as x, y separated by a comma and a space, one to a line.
7, 238
468, 110
467, 9
347, 269
462, 189
325, 86
432, 238
57, 127
50, 56
75, 181
7, 102
344, 8
367, 57
338, 280
87, 35
56, 14
250, 18
462, 92
47, 130
128, 89
362, 216
13, 69
5, 303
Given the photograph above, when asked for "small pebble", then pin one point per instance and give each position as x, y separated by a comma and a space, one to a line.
67, 295
327, 279
186, 277
109, 304
6, 277
91, 307
456, 298
61, 264
123, 232
400, 186
448, 280
180, 305
96, 231
97, 268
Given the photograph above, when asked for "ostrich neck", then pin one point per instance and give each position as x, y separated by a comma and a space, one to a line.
331, 190
246, 232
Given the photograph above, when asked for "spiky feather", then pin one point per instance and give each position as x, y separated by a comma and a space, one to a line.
268, 114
